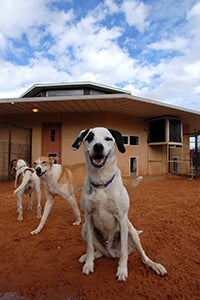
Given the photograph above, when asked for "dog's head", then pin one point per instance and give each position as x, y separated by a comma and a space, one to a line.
17, 164
12, 167
42, 165
99, 145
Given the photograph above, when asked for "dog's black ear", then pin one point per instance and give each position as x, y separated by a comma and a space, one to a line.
118, 139
79, 139
12, 163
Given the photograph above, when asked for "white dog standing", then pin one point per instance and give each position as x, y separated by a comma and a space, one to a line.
105, 201
26, 181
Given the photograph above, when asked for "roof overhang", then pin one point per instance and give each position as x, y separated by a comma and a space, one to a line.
116, 103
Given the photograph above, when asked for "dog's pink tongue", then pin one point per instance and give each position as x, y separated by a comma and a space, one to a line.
98, 161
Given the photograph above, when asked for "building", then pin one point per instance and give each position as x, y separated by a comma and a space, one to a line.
47, 118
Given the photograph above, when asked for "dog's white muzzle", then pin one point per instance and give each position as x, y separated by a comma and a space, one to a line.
98, 158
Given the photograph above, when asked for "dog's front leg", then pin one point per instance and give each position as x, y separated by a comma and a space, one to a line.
89, 261
47, 209
38, 191
122, 272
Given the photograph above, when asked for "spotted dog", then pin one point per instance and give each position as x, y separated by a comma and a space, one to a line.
26, 181
105, 201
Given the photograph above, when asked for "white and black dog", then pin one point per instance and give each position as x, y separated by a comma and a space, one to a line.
26, 181
105, 202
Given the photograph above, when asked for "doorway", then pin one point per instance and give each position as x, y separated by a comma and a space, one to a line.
133, 165
51, 141
175, 165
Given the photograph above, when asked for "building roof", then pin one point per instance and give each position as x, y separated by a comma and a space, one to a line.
86, 87
105, 99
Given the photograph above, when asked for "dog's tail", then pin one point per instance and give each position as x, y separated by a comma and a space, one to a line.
136, 181
132, 182
26, 178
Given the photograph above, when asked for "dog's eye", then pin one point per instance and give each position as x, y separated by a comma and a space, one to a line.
44, 162
108, 139
90, 137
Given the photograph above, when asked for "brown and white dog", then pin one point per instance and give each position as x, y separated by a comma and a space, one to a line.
60, 180
105, 201
26, 181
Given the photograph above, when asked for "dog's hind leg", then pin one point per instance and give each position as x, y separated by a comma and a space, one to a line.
97, 254
30, 203
156, 267
71, 199
19, 206
47, 209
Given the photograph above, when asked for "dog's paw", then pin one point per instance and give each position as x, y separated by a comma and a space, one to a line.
158, 269
77, 223
88, 268
36, 231
122, 274
82, 259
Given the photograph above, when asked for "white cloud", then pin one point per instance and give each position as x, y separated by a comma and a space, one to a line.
17, 16
136, 13
175, 44
112, 5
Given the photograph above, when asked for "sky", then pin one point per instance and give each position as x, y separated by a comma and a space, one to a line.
149, 47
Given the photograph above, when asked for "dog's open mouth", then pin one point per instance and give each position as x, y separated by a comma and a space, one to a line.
39, 172
98, 160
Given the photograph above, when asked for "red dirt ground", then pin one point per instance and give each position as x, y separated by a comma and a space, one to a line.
46, 266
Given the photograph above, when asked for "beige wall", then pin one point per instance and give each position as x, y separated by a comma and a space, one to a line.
157, 156
151, 159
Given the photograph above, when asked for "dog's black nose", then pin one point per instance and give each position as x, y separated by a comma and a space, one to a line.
38, 170
98, 148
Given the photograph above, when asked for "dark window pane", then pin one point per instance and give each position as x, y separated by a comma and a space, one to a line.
157, 131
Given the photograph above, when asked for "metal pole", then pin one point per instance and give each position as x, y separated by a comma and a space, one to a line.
196, 152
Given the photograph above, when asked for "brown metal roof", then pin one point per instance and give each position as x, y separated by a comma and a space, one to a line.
118, 103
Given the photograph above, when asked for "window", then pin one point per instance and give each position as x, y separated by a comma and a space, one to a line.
53, 135
125, 137
132, 140
54, 93
165, 130
157, 131
175, 131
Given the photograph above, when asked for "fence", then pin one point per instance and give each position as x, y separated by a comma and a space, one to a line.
15, 142
195, 153
184, 163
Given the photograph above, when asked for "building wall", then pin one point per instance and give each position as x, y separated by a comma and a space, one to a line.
152, 160
73, 123
157, 156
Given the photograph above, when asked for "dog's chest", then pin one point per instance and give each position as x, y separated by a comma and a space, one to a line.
103, 210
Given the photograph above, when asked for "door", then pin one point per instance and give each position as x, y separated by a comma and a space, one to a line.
175, 165
133, 165
51, 141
